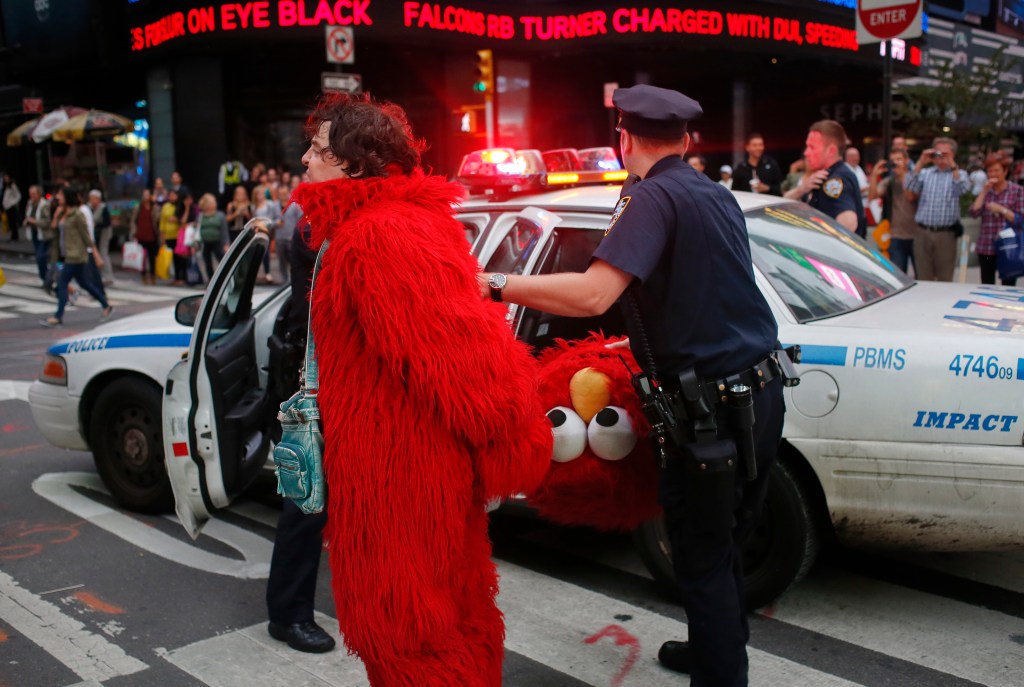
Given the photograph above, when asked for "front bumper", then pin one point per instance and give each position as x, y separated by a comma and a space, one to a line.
55, 413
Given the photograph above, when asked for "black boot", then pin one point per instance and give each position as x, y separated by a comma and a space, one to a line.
675, 656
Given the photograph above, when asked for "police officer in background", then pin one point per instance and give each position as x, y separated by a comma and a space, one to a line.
677, 247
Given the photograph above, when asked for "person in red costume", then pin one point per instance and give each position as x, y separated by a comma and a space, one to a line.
429, 405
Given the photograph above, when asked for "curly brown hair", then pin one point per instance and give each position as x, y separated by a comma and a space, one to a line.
366, 136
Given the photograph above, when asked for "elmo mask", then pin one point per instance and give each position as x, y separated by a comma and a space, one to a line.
602, 473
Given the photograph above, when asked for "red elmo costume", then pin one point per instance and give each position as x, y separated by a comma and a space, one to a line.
602, 473
430, 410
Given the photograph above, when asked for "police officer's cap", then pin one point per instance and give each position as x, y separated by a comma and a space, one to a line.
655, 112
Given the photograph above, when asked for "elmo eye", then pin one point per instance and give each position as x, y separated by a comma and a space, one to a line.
611, 434
570, 434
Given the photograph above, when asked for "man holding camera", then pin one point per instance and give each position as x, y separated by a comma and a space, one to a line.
676, 250
938, 183
901, 204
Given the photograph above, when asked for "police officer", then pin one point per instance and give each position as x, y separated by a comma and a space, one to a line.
830, 185
677, 246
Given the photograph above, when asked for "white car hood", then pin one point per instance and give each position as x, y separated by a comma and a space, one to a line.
943, 309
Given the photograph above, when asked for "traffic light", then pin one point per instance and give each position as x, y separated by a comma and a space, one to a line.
484, 72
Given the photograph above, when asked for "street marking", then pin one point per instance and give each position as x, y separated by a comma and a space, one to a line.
254, 549
85, 653
925, 629
258, 660
4, 453
97, 604
25, 306
546, 620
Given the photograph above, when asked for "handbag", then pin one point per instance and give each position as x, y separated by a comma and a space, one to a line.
1009, 254
299, 456
133, 256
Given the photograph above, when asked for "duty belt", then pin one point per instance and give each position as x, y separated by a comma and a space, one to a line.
756, 377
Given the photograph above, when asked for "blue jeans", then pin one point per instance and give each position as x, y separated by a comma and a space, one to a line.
901, 253
79, 273
42, 249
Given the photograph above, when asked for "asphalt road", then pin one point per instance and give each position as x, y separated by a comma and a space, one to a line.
91, 595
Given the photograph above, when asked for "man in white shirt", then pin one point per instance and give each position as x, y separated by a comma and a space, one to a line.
852, 158
725, 172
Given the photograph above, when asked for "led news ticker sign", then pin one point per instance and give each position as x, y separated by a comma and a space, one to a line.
427, 16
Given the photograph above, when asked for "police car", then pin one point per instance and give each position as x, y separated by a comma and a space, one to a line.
905, 431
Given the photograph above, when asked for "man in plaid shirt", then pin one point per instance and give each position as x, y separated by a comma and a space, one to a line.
938, 183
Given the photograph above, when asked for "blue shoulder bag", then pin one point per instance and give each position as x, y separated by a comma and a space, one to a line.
299, 456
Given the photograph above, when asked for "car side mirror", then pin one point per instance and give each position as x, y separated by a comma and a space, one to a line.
187, 310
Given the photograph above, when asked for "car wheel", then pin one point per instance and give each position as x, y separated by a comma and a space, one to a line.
127, 445
777, 554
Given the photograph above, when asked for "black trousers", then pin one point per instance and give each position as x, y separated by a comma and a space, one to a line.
291, 588
709, 511
987, 263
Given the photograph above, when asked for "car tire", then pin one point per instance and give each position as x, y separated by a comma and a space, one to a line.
126, 435
777, 554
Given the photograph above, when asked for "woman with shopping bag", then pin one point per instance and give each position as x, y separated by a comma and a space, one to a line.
1000, 203
145, 222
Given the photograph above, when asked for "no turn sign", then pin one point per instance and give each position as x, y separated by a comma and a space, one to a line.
341, 45
883, 20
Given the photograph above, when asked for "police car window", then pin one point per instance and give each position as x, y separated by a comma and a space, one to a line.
818, 268
569, 250
515, 249
235, 300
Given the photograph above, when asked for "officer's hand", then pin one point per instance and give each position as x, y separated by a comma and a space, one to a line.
814, 180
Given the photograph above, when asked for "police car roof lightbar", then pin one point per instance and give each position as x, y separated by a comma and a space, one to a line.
501, 171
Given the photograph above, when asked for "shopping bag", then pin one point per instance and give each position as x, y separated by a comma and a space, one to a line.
192, 274
1009, 254
182, 248
133, 256
164, 257
883, 236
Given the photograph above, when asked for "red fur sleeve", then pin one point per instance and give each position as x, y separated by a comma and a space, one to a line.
418, 304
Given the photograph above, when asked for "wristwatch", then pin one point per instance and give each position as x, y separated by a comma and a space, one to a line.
497, 283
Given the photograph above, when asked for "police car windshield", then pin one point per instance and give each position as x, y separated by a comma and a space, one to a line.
818, 268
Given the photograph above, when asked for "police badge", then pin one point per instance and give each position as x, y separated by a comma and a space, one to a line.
619, 209
833, 187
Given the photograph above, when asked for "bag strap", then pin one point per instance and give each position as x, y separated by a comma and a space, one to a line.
310, 374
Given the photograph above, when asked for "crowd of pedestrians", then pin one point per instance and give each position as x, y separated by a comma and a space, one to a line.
921, 202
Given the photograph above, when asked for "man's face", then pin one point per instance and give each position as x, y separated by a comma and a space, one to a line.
696, 163
272, 175
816, 152
175, 179
755, 147
852, 157
321, 164
94, 201
899, 161
943, 156
899, 142
33, 194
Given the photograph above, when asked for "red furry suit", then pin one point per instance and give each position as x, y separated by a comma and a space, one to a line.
430, 409
602, 473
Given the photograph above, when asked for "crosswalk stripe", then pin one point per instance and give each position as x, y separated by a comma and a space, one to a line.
928, 630
29, 307
88, 655
153, 294
549, 621
260, 661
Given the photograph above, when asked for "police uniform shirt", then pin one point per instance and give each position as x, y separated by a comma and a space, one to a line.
684, 238
838, 193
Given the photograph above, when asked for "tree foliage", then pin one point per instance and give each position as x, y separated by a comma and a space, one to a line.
968, 104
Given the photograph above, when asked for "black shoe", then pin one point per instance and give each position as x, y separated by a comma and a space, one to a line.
675, 656
305, 636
